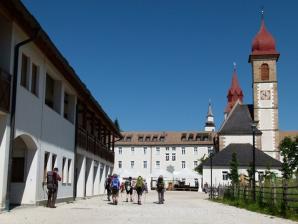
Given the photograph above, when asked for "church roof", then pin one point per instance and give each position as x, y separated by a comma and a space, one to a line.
244, 157
160, 138
263, 42
234, 93
239, 121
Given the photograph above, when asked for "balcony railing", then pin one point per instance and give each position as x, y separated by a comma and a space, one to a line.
91, 144
5, 85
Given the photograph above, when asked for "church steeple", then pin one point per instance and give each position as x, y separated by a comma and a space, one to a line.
235, 92
209, 124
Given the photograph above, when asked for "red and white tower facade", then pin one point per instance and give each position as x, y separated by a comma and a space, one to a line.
263, 59
234, 94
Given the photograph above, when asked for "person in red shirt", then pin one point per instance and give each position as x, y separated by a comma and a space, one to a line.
52, 184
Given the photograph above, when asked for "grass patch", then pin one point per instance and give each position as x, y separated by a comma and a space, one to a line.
255, 207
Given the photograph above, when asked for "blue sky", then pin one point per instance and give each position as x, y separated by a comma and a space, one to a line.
154, 64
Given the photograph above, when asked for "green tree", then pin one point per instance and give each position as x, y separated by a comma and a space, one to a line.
233, 175
289, 152
199, 168
116, 122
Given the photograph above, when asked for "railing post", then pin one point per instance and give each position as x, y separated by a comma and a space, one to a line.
284, 205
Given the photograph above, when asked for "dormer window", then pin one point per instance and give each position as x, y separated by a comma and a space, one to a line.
162, 138
147, 139
154, 139
141, 138
183, 137
190, 137
198, 138
128, 138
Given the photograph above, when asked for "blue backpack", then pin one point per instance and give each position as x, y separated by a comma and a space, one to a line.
115, 183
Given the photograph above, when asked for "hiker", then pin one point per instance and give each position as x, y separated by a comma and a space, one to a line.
52, 185
108, 187
115, 185
128, 189
139, 188
160, 187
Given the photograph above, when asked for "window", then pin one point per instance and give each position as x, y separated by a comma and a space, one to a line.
128, 138
264, 72
225, 175
147, 139
210, 150
183, 137
141, 138
173, 156
45, 166
132, 164
54, 158
167, 156
34, 80
195, 150
183, 164
69, 107
64, 170
69, 171
24, 71
157, 164
173, 149
120, 150
198, 138
145, 164
154, 138
145, 150
119, 164
183, 151
50, 83
162, 138
157, 151
132, 150
167, 148
190, 137
261, 175
195, 164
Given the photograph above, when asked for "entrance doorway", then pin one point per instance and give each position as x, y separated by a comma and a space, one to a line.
24, 171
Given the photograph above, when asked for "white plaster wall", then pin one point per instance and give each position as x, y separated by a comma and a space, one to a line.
217, 174
50, 130
138, 156
4, 148
229, 139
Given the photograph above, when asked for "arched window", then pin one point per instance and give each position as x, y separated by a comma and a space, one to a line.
264, 72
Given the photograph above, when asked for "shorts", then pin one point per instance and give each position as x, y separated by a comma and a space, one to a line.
129, 192
115, 192
139, 191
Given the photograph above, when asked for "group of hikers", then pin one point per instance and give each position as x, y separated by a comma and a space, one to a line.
113, 187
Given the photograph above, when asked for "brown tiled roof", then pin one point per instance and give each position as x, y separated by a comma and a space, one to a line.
291, 134
166, 138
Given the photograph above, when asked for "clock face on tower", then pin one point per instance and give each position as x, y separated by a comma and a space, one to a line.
265, 94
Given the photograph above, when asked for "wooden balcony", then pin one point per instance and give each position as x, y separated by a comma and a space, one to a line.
91, 144
5, 85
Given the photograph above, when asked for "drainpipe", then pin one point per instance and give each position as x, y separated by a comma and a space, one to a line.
13, 111
75, 176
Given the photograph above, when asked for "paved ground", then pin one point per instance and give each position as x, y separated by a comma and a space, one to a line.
179, 207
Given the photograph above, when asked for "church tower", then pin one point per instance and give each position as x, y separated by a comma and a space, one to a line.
209, 124
263, 59
234, 93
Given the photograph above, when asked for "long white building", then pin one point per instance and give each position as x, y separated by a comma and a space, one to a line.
48, 118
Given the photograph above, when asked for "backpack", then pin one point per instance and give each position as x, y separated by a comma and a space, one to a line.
108, 182
128, 185
115, 183
160, 184
140, 183
51, 181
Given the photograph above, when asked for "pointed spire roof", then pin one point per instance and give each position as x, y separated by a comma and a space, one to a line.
263, 43
235, 92
210, 114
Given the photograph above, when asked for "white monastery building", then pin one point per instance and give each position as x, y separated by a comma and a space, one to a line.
48, 118
171, 154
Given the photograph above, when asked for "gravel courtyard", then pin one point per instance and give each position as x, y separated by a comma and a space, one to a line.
179, 207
